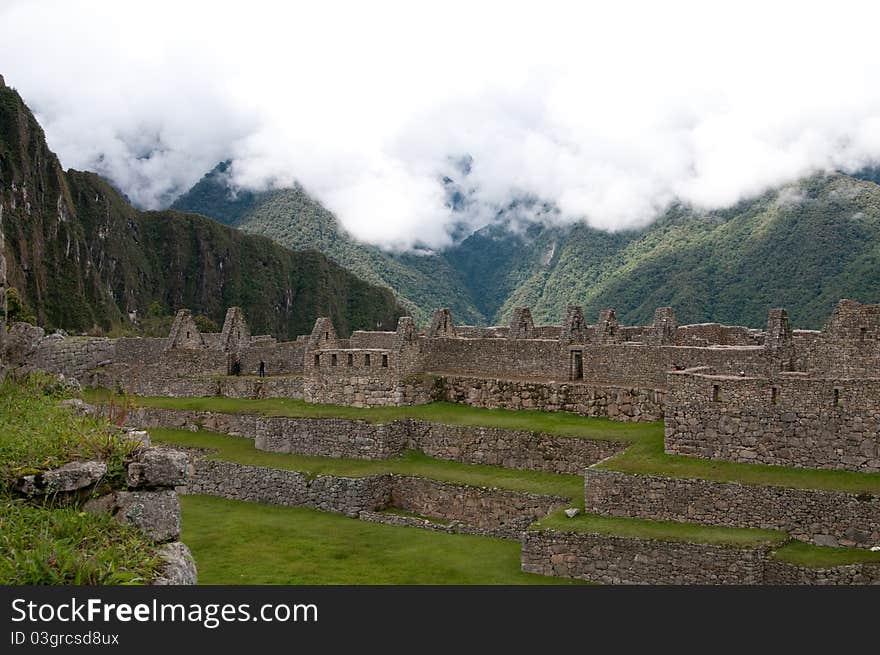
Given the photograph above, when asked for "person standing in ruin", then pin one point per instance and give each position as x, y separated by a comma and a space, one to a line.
262, 369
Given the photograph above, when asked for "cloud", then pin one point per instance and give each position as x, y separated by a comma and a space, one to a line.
610, 112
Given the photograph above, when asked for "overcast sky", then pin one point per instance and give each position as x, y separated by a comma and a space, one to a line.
611, 110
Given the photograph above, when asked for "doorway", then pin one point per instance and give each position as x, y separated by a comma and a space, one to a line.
577, 364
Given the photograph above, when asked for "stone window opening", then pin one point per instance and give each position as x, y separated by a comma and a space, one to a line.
333, 359
863, 332
367, 359
317, 360
384, 361
350, 359
716, 393
774, 395
836, 397
326, 336
187, 334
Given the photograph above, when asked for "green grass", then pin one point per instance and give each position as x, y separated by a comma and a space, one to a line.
661, 530
37, 434
45, 545
42, 544
823, 557
242, 451
236, 542
646, 457
558, 423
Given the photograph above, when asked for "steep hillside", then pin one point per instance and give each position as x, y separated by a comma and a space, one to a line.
83, 259
212, 196
293, 219
802, 247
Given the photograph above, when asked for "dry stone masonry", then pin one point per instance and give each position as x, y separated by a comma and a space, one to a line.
631, 560
827, 518
495, 512
777, 395
332, 437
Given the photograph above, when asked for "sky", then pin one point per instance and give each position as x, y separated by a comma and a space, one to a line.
611, 111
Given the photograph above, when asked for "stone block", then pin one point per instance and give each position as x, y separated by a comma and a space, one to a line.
158, 467
70, 477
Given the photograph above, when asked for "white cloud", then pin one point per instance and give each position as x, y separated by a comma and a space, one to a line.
610, 112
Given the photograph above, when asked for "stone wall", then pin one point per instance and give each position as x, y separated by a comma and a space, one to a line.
30, 347
285, 358
484, 511
515, 449
620, 403
497, 512
290, 488
703, 334
328, 437
789, 420
783, 573
828, 518
502, 357
849, 344
629, 560
377, 388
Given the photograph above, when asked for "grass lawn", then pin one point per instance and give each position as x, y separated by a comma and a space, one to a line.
662, 530
821, 557
236, 542
242, 451
646, 457
559, 423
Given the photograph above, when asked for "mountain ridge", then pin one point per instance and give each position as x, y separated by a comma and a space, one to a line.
729, 265
83, 259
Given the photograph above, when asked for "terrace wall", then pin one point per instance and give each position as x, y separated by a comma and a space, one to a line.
792, 421
517, 449
630, 560
825, 517
495, 512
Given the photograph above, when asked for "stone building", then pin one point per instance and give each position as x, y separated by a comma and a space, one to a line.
777, 395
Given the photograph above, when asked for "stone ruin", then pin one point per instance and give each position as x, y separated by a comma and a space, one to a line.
807, 388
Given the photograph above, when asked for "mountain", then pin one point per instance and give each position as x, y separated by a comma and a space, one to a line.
802, 246
214, 196
83, 259
295, 220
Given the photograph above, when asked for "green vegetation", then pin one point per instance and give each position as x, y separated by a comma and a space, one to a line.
821, 557
423, 281
646, 457
41, 544
559, 423
166, 259
235, 542
37, 434
802, 246
44, 545
17, 310
728, 266
242, 451
661, 530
